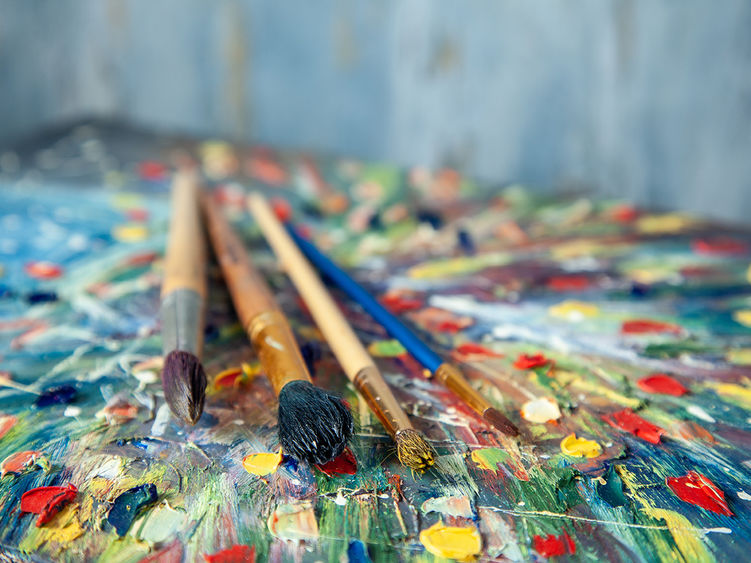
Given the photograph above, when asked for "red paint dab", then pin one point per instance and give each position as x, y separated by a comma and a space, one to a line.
634, 424
530, 361
697, 489
264, 167
399, 304
235, 554
137, 214
282, 209
141, 259
722, 245
623, 213
47, 501
152, 170
552, 546
646, 326
663, 384
345, 464
451, 326
228, 378
43, 270
568, 283
470, 351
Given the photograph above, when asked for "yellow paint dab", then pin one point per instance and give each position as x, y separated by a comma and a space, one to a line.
454, 542
748, 274
739, 356
573, 310
663, 224
733, 392
742, 317
262, 463
130, 232
580, 447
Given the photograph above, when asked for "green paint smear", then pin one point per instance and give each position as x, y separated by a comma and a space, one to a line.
612, 490
491, 457
387, 349
675, 349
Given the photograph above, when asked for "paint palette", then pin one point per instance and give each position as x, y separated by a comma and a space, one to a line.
618, 340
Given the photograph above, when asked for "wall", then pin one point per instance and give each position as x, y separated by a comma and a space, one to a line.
644, 99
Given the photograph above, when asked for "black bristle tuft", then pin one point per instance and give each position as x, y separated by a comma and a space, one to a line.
184, 384
314, 426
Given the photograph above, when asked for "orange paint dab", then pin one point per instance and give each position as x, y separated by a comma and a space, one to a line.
7, 421
234, 554
19, 462
43, 270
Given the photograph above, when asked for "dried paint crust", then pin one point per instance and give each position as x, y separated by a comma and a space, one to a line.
614, 338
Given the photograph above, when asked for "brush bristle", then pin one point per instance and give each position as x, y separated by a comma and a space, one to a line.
314, 426
413, 451
184, 384
500, 421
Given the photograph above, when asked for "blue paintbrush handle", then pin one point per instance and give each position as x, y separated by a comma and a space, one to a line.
396, 328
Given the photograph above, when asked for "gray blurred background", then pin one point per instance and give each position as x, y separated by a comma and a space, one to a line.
644, 99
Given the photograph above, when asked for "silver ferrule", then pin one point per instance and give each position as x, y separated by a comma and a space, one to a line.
182, 313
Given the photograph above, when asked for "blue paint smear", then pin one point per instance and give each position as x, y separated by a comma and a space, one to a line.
357, 552
60, 395
126, 507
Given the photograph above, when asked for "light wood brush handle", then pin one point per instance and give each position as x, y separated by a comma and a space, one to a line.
263, 321
349, 351
185, 260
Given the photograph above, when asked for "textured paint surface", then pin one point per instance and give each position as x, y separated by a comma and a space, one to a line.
520, 498
453, 542
580, 447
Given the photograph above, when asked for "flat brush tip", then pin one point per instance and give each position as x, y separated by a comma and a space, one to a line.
413, 451
184, 384
500, 421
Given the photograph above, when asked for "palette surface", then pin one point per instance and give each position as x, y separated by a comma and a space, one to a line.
618, 340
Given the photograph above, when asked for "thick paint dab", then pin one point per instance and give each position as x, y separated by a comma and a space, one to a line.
697, 489
627, 420
126, 507
611, 491
455, 542
541, 410
21, 461
580, 447
663, 384
262, 463
647, 326
60, 395
357, 552
530, 361
234, 554
345, 464
471, 352
552, 546
47, 501
43, 270
399, 303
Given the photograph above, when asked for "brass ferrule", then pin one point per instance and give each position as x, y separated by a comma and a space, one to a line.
452, 378
277, 349
381, 400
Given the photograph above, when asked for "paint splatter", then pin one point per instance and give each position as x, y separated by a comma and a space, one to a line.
234, 554
43, 270
697, 489
553, 546
345, 464
262, 463
629, 421
454, 542
47, 501
129, 504
531, 361
661, 383
541, 410
580, 447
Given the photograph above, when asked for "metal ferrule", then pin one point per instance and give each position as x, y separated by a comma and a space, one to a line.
381, 400
182, 314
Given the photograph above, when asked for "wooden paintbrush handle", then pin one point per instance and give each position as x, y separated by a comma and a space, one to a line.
264, 322
185, 260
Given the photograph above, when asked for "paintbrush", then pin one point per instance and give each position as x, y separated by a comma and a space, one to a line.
412, 449
314, 426
183, 302
446, 373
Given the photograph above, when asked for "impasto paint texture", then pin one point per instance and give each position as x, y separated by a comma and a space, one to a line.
617, 340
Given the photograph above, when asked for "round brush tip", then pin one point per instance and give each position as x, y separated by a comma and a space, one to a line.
184, 384
500, 421
314, 426
413, 451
